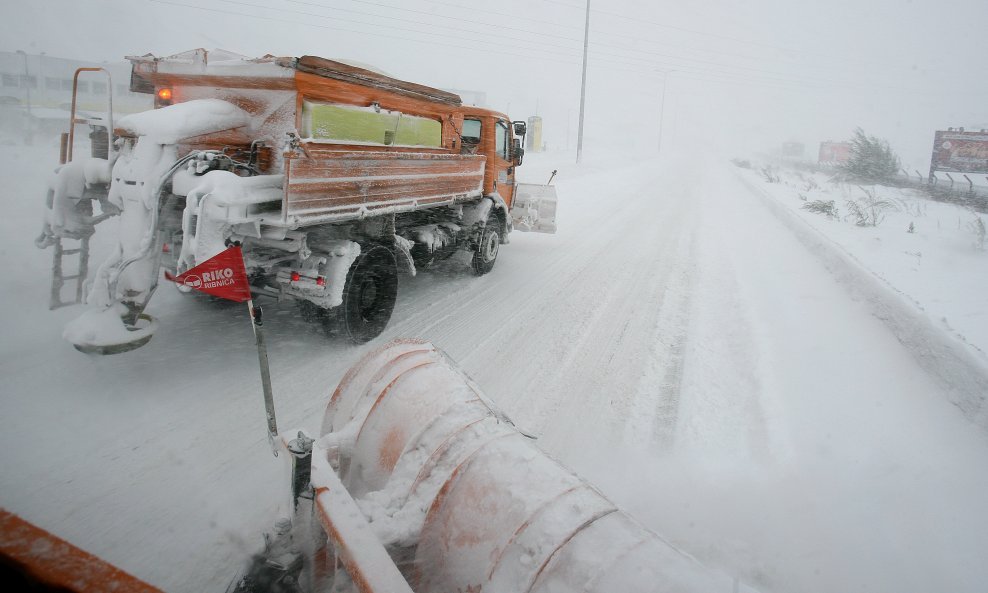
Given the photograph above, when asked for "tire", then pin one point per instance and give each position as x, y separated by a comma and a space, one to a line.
369, 295
490, 242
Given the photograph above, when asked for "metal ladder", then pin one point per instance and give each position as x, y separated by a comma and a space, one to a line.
58, 278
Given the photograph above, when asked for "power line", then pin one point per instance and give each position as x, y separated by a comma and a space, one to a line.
814, 78
504, 14
372, 24
567, 5
638, 19
738, 39
771, 78
608, 13
388, 36
765, 76
566, 53
430, 14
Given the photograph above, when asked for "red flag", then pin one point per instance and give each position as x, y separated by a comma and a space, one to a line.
223, 275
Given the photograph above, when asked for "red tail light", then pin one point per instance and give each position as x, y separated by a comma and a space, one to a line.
296, 276
321, 281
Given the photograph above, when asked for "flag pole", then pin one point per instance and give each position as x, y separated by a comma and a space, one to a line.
257, 323
225, 275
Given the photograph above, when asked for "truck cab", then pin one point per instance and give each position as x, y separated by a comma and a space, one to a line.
492, 134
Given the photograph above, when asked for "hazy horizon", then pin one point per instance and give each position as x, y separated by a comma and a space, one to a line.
740, 77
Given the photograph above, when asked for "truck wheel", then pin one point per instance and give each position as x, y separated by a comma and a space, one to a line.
369, 295
490, 241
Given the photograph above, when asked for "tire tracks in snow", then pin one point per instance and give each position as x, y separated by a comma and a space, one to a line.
722, 382
563, 339
655, 412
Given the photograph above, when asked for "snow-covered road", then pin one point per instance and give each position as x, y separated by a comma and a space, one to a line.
674, 343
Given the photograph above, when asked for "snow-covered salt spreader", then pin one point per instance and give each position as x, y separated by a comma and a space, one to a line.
332, 178
417, 482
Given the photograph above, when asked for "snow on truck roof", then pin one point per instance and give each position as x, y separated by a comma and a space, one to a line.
200, 62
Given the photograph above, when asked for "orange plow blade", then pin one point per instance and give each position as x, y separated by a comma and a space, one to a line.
39, 560
464, 501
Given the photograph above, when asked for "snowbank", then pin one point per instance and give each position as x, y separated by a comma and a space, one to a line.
917, 263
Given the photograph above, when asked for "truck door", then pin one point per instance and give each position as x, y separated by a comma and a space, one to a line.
504, 167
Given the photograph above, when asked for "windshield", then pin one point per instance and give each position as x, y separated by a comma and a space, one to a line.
730, 306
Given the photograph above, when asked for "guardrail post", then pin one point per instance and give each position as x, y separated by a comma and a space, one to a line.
970, 184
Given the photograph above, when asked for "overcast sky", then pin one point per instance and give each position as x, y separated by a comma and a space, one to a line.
741, 75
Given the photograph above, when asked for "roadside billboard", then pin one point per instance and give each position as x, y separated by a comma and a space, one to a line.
534, 134
960, 151
793, 149
834, 152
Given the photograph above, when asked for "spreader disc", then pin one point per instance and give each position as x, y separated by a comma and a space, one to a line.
116, 342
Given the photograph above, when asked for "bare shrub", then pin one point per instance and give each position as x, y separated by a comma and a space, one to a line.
869, 210
827, 208
770, 175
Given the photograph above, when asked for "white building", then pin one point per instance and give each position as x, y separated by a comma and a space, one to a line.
46, 81
36, 92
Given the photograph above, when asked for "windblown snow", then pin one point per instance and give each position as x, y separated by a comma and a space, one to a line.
687, 349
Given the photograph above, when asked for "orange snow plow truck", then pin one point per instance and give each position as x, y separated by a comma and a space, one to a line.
333, 178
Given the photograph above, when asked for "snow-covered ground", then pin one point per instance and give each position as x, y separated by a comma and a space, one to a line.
931, 252
677, 343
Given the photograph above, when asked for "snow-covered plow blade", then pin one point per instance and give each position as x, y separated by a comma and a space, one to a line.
534, 208
453, 498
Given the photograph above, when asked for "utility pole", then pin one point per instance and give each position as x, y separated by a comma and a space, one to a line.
583, 87
662, 109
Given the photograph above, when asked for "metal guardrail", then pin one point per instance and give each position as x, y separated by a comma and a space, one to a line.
963, 189
957, 188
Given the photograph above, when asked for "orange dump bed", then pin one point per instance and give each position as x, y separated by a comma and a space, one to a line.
339, 184
331, 171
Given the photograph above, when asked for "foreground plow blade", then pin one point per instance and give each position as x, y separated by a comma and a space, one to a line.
33, 559
463, 501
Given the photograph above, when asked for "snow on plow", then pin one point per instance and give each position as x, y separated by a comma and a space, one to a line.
534, 207
418, 482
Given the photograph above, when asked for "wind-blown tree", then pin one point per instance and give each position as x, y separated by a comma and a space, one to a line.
872, 159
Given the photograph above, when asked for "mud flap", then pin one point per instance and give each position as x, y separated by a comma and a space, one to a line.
534, 208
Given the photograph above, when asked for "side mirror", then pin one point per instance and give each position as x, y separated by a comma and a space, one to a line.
521, 128
517, 152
